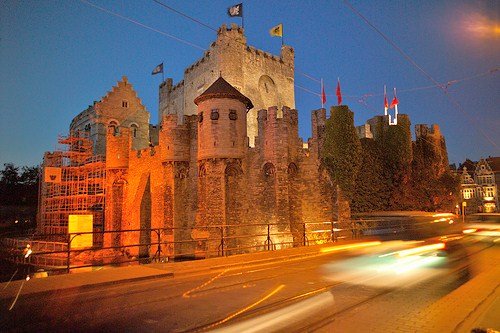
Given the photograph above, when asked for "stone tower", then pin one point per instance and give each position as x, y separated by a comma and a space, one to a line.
222, 147
267, 79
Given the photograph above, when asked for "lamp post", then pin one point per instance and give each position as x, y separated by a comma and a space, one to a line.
464, 204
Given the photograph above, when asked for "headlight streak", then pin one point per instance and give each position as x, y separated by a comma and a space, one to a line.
409, 263
421, 249
248, 307
288, 317
349, 246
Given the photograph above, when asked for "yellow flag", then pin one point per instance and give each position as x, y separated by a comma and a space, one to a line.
52, 175
277, 31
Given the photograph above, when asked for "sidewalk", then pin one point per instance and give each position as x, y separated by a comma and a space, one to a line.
109, 275
475, 304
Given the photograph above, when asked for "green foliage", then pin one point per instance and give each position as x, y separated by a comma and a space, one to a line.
433, 188
342, 149
397, 145
395, 142
9, 174
389, 172
18, 188
371, 189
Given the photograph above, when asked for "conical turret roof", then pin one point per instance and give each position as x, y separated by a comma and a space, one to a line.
222, 89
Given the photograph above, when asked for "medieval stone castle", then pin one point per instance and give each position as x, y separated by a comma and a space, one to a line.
225, 157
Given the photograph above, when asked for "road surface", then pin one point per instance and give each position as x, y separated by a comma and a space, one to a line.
332, 291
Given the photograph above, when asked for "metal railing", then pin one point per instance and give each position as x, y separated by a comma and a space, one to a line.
55, 252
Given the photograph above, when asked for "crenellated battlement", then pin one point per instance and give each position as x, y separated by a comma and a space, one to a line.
200, 61
422, 130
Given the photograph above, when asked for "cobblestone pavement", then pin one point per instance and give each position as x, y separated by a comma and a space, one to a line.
443, 304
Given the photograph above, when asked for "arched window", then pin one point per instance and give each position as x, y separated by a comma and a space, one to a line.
292, 170
114, 126
135, 129
202, 171
268, 170
233, 170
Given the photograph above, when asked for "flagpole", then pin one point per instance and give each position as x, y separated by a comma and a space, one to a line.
162, 74
282, 35
396, 109
322, 104
385, 97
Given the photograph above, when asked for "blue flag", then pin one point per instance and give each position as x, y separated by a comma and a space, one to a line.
158, 69
236, 10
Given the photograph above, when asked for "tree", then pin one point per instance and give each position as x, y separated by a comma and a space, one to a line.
19, 188
341, 150
29, 176
9, 174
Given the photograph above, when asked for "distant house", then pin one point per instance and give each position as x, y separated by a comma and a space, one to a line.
479, 190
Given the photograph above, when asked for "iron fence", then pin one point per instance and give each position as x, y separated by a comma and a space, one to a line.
57, 253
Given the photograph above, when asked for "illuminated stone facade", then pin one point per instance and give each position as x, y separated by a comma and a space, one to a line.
204, 173
213, 160
119, 108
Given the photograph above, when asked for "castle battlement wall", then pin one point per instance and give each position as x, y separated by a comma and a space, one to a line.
118, 149
174, 139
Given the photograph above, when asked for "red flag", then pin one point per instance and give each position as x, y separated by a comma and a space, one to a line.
394, 100
323, 95
338, 93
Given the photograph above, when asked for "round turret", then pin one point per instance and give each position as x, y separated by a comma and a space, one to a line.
222, 124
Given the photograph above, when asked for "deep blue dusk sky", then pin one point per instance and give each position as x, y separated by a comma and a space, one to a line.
57, 57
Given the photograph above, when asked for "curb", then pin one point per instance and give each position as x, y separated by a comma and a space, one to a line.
90, 286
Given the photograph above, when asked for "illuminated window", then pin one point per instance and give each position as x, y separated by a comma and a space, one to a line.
489, 192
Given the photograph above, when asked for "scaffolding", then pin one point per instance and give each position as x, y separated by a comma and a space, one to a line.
78, 188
